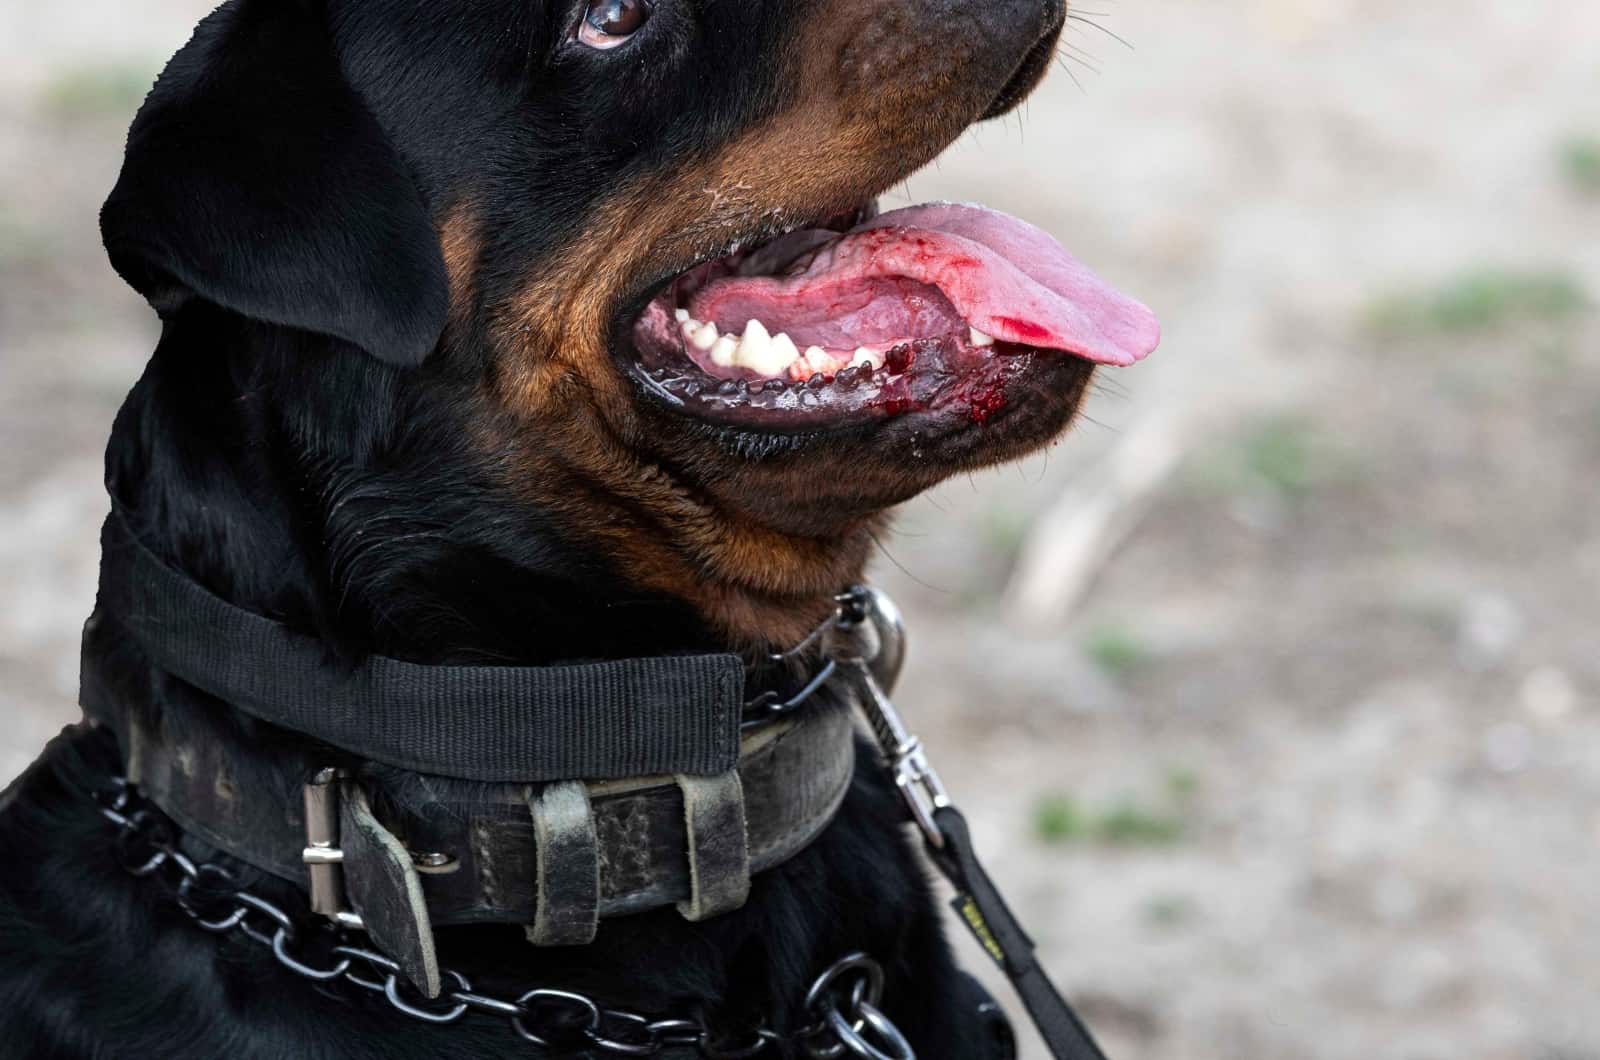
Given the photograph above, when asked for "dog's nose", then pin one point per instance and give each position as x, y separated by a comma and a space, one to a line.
1025, 21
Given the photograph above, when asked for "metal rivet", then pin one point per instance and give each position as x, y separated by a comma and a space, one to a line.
433, 861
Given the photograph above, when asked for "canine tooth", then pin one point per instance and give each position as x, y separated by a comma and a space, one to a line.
755, 347
704, 336
682, 315
979, 338
725, 352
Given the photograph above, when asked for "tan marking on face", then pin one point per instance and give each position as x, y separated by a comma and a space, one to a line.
755, 585
460, 245
579, 447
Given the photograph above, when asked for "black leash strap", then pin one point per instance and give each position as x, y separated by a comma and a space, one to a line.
596, 721
979, 904
867, 640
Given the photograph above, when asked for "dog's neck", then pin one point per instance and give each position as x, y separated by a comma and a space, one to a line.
316, 487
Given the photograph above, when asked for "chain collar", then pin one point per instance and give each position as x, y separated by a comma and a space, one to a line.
843, 1001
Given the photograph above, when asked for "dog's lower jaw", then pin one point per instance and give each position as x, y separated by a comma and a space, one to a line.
757, 586
758, 609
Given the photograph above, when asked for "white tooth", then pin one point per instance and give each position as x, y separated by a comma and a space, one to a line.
979, 338
683, 315
705, 336
755, 347
814, 360
868, 357
689, 325
784, 353
725, 353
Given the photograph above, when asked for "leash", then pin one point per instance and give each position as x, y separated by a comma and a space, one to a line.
866, 640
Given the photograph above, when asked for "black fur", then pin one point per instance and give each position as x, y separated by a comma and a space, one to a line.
279, 207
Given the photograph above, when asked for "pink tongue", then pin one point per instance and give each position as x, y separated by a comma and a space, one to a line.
1015, 282
1004, 276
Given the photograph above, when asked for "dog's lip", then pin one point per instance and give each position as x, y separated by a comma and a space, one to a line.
998, 272
926, 270
732, 242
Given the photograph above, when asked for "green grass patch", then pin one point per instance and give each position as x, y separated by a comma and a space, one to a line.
1058, 820
1127, 823
1285, 457
1482, 300
1580, 163
1169, 910
1282, 453
113, 90
1183, 783
1115, 650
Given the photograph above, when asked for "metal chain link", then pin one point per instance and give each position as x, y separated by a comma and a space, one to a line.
843, 1000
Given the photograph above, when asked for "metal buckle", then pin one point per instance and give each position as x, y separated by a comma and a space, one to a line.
322, 855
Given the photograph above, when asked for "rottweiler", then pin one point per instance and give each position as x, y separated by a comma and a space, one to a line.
524, 332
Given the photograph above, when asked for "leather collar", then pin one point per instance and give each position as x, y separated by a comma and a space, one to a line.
477, 862
600, 789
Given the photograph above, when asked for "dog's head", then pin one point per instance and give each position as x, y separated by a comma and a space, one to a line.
637, 241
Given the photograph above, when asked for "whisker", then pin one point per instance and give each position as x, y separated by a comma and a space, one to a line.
1079, 18
878, 542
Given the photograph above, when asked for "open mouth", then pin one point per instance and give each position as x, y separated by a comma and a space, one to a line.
928, 308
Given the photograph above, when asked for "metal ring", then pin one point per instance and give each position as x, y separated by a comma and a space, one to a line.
678, 1032
280, 950
855, 962
143, 826
266, 909
484, 1003
887, 1033
229, 889
374, 960
818, 1050
115, 796
391, 990
625, 1048
832, 1050
556, 996
185, 863
763, 1038
372, 957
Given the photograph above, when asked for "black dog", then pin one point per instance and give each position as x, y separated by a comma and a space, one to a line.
457, 368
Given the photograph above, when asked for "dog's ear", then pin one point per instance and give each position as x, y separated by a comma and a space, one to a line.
256, 179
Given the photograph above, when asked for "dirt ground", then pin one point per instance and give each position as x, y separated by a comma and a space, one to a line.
1312, 770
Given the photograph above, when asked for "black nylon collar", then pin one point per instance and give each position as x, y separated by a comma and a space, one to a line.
592, 721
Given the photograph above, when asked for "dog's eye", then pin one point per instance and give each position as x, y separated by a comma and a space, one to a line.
608, 23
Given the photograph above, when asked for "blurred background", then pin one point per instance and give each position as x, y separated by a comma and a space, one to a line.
1273, 689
